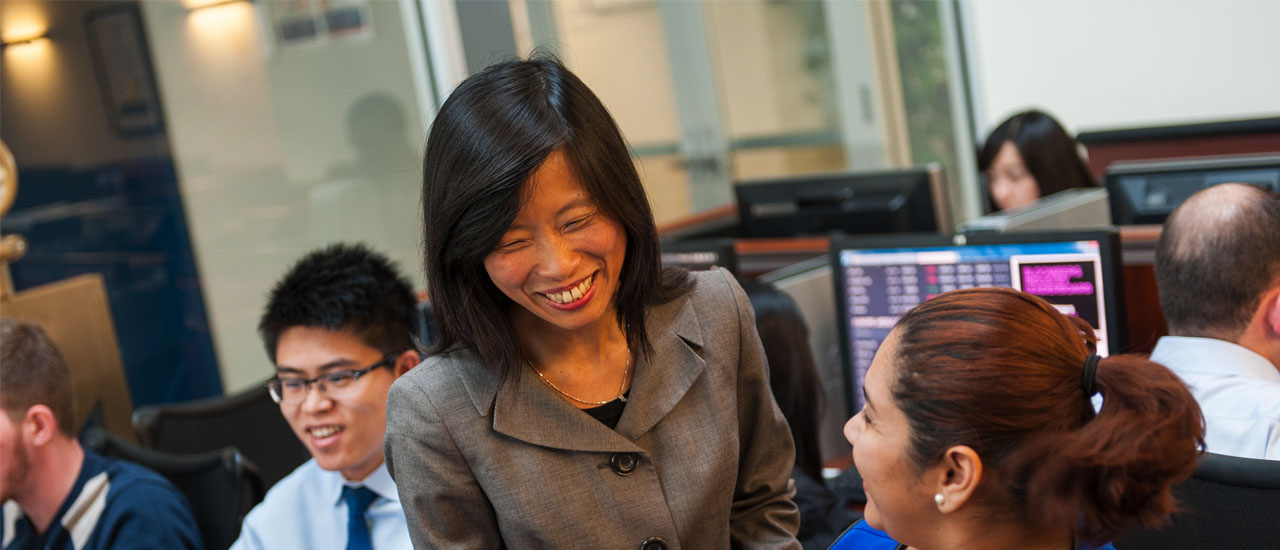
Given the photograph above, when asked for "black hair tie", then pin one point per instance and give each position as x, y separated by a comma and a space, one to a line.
1087, 378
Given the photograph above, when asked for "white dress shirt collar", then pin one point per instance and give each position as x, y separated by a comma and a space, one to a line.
379, 481
1213, 357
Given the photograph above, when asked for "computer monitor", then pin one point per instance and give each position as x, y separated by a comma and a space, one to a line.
1078, 208
880, 279
1146, 192
700, 254
892, 201
809, 284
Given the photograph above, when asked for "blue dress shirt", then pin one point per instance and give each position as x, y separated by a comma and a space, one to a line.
306, 510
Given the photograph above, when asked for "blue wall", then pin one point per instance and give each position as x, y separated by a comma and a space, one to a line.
125, 221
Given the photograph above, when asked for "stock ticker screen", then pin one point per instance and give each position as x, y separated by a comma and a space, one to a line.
881, 284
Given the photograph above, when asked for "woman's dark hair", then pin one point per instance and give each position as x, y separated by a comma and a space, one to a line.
1000, 371
1050, 153
492, 133
794, 378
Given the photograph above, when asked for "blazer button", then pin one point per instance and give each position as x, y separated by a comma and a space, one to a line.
623, 464
653, 543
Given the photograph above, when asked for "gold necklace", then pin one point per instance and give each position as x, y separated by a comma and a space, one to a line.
626, 369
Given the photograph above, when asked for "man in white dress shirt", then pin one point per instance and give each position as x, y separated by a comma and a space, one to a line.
340, 329
1218, 272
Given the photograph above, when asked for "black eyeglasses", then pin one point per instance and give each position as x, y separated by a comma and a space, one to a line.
334, 384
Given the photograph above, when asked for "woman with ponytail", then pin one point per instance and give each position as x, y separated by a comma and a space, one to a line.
979, 431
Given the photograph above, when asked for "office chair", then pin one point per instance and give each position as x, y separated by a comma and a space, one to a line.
848, 484
249, 421
221, 486
1229, 502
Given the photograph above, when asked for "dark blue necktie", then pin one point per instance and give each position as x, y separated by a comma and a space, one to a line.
358, 500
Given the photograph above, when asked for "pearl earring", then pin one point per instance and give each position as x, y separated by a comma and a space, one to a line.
938, 498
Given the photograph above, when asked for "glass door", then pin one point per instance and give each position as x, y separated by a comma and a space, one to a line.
710, 93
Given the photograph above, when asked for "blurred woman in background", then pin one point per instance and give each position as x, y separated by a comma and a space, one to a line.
1030, 156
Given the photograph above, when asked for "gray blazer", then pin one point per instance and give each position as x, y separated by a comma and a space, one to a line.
701, 457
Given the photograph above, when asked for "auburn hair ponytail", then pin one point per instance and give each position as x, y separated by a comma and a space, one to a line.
1006, 374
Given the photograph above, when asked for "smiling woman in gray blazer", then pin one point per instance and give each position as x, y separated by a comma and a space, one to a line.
580, 395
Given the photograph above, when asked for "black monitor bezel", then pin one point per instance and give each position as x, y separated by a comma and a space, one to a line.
926, 178
1118, 200
1112, 279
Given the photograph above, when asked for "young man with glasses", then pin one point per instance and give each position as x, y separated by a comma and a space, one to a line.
339, 328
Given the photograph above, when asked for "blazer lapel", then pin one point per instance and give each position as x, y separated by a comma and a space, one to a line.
528, 410
663, 379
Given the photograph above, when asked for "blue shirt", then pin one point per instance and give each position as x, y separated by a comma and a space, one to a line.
306, 510
113, 504
864, 537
